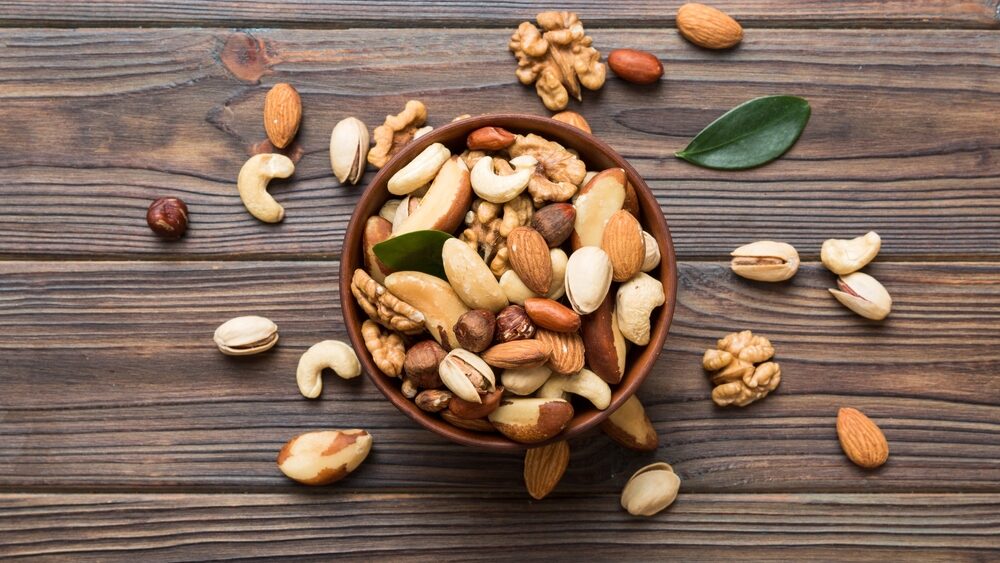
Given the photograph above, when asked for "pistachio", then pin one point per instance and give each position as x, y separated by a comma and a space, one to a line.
244, 336
652, 258
349, 150
845, 256
588, 278
864, 295
650, 490
466, 375
765, 261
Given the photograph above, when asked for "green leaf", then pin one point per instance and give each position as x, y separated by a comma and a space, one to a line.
750, 134
417, 251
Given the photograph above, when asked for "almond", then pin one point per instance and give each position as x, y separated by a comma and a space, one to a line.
529, 257
708, 27
282, 114
861, 439
624, 244
551, 315
574, 119
471, 411
475, 425
554, 222
518, 354
638, 67
630, 427
489, 139
544, 467
567, 350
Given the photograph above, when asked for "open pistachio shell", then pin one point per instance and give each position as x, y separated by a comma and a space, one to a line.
864, 295
650, 490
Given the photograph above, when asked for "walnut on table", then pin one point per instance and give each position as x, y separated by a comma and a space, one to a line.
557, 60
397, 130
384, 307
738, 382
387, 350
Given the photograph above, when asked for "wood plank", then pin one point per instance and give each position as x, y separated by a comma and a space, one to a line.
360, 13
111, 382
337, 522
95, 124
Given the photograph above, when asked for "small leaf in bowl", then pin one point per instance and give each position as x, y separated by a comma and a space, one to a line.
753, 133
418, 251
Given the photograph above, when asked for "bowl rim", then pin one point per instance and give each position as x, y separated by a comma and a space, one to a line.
655, 223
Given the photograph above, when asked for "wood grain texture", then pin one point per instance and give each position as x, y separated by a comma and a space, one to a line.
316, 525
112, 383
95, 124
401, 13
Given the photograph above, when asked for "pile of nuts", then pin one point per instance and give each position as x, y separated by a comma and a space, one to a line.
546, 284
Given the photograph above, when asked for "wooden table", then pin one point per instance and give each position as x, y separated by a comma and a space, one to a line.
125, 435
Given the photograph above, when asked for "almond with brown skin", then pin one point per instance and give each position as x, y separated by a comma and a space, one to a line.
544, 467
554, 222
567, 351
630, 427
637, 67
470, 411
475, 425
282, 114
574, 119
489, 139
551, 315
861, 439
518, 354
708, 27
624, 244
529, 257
604, 343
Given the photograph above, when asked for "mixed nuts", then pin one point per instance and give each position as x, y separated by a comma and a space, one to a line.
533, 280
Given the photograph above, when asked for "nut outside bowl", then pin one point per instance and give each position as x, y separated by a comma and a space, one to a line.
598, 156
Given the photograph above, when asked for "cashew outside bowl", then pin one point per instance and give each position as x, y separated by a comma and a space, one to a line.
252, 184
332, 354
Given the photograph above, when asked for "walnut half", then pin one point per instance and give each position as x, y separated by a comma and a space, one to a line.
397, 130
384, 307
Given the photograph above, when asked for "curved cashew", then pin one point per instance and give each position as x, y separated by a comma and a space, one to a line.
635, 302
332, 354
501, 189
584, 383
252, 183
420, 170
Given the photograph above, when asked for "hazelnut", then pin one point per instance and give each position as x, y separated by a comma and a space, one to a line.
554, 222
513, 323
168, 218
421, 364
474, 330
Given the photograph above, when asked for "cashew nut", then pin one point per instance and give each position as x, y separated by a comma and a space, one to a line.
501, 189
252, 183
420, 170
636, 300
584, 383
332, 354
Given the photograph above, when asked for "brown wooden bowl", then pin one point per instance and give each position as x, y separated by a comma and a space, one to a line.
598, 156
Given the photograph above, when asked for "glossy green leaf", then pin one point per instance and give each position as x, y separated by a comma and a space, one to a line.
751, 134
417, 251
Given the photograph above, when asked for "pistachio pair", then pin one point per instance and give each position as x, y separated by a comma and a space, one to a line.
857, 291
